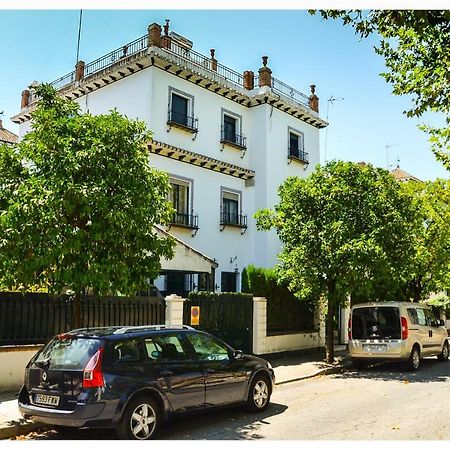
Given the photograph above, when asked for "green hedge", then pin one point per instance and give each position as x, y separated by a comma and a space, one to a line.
205, 295
285, 313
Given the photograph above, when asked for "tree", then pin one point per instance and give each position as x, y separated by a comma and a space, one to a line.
343, 227
79, 203
430, 271
416, 47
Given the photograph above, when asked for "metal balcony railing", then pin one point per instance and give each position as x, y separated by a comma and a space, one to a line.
182, 120
238, 220
238, 140
185, 220
296, 153
287, 91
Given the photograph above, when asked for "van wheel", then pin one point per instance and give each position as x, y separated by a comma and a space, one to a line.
140, 419
414, 359
258, 395
443, 356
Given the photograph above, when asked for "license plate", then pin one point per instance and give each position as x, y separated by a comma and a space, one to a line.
52, 400
375, 347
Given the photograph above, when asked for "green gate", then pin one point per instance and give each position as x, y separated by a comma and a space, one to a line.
229, 316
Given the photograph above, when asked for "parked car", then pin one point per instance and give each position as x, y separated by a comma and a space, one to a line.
134, 378
395, 331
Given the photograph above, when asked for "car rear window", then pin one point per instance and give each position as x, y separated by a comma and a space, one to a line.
68, 353
381, 322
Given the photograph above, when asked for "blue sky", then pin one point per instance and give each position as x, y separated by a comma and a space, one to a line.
41, 45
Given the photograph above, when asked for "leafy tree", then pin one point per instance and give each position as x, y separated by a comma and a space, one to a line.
79, 203
430, 271
416, 47
343, 227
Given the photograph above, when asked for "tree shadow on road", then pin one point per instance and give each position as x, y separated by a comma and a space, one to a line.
231, 424
430, 371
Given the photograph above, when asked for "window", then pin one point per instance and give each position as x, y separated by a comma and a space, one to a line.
296, 144
181, 110
164, 348
421, 317
179, 196
126, 351
229, 128
232, 130
207, 348
228, 282
230, 207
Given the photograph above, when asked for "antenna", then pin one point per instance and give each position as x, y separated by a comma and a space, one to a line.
79, 37
387, 153
331, 100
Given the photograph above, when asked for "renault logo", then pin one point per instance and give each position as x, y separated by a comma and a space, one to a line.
44, 377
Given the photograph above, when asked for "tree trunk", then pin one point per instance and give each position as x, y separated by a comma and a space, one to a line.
76, 322
329, 341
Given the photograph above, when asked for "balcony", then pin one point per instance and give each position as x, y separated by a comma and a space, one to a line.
238, 141
233, 219
182, 121
185, 220
298, 155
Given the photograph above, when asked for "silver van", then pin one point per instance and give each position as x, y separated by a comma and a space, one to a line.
400, 331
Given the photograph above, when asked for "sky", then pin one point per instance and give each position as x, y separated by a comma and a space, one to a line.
302, 49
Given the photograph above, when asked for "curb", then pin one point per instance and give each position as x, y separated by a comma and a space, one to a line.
328, 371
18, 428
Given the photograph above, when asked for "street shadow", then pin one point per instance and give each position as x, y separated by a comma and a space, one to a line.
430, 371
225, 424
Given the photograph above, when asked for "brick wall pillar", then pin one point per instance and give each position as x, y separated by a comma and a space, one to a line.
259, 325
154, 35
265, 74
313, 99
25, 98
174, 310
249, 80
79, 70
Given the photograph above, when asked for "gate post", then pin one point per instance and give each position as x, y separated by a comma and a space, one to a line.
259, 325
174, 310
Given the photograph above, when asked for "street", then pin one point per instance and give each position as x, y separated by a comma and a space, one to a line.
383, 402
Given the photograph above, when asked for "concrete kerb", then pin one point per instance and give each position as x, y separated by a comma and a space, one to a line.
322, 372
17, 428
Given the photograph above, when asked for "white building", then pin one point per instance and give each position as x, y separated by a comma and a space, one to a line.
227, 140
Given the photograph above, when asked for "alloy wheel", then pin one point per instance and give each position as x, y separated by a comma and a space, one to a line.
260, 394
415, 359
143, 421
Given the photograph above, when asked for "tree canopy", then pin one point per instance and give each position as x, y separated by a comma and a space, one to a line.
79, 202
346, 227
416, 47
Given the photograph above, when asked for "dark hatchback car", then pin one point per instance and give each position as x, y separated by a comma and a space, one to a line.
133, 378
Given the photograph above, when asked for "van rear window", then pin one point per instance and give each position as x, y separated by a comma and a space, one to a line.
67, 354
376, 323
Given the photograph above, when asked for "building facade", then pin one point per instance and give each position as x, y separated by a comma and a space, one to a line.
227, 140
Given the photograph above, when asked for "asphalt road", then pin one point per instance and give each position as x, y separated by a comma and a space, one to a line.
383, 402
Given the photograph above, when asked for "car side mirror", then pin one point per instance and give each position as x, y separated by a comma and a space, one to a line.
238, 354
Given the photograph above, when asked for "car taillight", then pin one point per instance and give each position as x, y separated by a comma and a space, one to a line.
92, 374
404, 328
350, 329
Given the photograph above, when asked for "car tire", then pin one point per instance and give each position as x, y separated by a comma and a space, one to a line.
140, 420
443, 356
259, 394
414, 359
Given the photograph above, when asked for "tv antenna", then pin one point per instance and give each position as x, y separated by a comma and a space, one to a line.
331, 100
387, 153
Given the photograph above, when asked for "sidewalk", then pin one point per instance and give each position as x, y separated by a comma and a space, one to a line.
287, 369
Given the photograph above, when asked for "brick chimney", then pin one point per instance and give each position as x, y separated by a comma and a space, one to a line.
154, 35
166, 39
249, 80
265, 74
313, 101
79, 70
25, 98
213, 60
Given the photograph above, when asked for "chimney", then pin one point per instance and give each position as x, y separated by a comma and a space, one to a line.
213, 60
79, 70
249, 80
313, 101
166, 39
265, 74
25, 98
154, 35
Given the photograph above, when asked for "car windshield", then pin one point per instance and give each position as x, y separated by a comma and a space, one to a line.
67, 353
376, 323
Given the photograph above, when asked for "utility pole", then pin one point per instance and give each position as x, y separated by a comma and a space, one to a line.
79, 37
331, 100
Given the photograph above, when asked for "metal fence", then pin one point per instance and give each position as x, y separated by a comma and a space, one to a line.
34, 318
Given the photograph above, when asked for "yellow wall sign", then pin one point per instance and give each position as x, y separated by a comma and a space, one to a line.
195, 315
